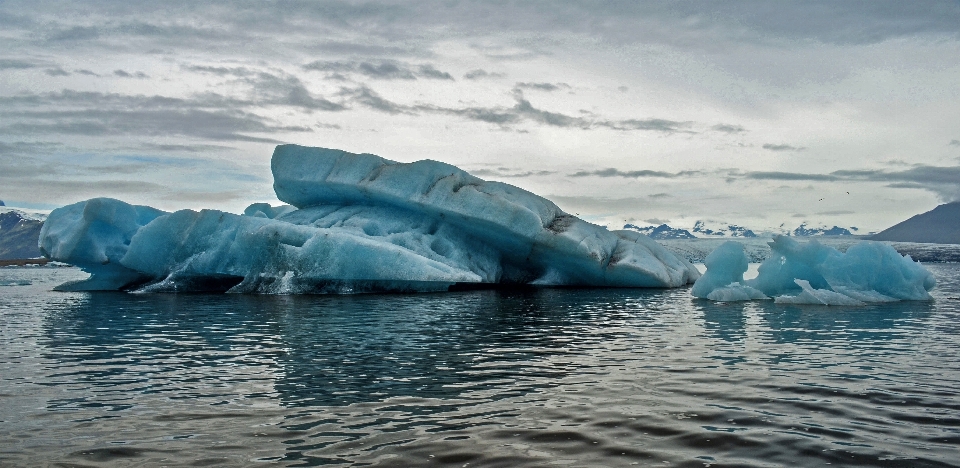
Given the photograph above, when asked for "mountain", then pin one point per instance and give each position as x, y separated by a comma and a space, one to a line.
700, 229
661, 232
19, 236
804, 231
940, 225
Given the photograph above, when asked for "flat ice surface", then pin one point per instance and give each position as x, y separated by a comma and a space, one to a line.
356, 222
814, 273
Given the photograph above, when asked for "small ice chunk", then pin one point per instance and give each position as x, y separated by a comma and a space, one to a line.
735, 292
813, 273
725, 267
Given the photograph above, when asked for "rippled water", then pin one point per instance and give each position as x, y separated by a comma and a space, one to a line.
583, 377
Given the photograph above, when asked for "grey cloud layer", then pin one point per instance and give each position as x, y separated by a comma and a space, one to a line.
383, 70
942, 180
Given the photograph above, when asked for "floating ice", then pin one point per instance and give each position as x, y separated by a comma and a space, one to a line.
813, 273
356, 222
95, 235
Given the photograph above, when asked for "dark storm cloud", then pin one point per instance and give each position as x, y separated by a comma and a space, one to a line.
782, 147
480, 73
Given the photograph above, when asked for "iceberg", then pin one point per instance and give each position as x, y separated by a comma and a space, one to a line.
814, 273
355, 223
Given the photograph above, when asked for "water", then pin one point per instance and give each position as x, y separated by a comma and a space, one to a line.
586, 377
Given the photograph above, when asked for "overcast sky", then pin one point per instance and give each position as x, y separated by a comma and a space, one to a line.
758, 113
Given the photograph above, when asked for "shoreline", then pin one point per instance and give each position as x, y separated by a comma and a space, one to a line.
24, 262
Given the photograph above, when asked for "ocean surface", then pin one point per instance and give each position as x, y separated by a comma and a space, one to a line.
547, 377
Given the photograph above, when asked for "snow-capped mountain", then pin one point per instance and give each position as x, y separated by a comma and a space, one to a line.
702, 229
18, 235
804, 231
662, 231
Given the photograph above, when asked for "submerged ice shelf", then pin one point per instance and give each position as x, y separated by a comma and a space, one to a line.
355, 223
814, 273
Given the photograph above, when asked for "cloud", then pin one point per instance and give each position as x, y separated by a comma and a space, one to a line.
16, 64
782, 147
85, 72
728, 128
658, 125
126, 74
56, 72
367, 97
428, 71
941, 180
507, 117
219, 70
508, 173
480, 73
288, 90
776, 175
835, 212
611, 172
219, 126
543, 86
75, 33
660, 195
341, 47
382, 70
954, 143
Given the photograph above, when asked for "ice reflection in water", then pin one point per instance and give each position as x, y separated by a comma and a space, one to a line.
490, 378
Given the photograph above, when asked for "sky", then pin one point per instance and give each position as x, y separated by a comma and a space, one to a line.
756, 113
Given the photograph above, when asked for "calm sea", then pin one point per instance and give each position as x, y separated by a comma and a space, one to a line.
550, 377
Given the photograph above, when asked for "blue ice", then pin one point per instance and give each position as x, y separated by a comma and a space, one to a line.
814, 273
355, 223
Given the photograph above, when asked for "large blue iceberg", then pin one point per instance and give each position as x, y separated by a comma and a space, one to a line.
355, 223
814, 273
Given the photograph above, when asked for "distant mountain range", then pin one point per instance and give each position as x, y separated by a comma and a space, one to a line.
701, 230
19, 235
940, 225
730, 230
